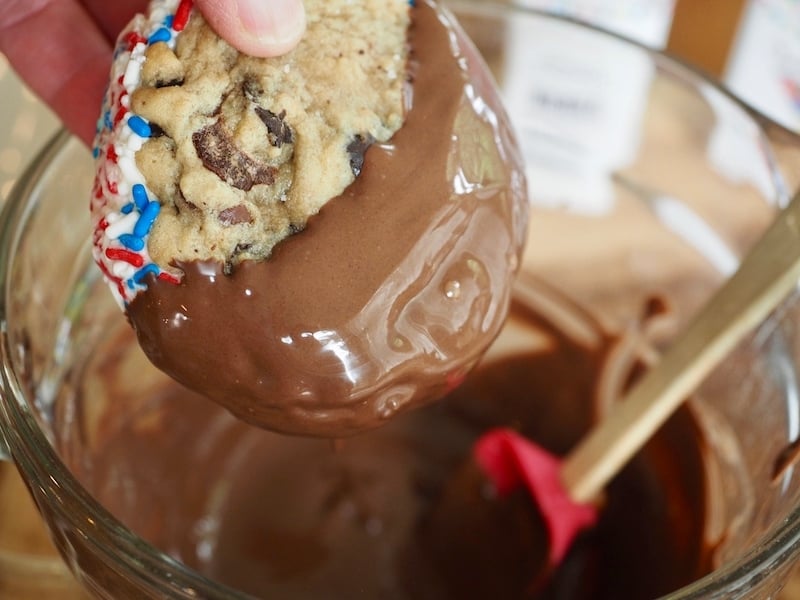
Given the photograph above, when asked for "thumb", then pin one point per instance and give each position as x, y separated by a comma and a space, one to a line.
256, 27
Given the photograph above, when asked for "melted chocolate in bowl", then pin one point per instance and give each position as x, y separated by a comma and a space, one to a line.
399, 511
392, 291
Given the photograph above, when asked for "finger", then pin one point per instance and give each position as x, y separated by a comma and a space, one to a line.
69, 63
111, 17
257, 27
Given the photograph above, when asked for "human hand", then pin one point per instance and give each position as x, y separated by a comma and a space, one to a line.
62, 48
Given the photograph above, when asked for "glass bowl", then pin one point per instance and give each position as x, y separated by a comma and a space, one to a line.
648, 183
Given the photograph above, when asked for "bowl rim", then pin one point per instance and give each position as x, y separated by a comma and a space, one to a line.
34, 456
120, 548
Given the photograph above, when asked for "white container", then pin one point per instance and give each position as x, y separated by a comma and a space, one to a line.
764, 64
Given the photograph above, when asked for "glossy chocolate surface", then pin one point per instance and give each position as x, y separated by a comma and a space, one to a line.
393, 290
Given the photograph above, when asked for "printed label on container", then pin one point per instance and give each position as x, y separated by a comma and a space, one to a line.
764, 66
577, 98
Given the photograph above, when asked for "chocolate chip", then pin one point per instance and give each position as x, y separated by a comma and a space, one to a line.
162, 83
252, 89
235, 215
221, 156
279, 132
356, 149
155, 130
230, 264
181, 202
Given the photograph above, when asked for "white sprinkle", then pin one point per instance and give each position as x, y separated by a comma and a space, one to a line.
124, 225
132, 74
127, 164
122, 269
135, 142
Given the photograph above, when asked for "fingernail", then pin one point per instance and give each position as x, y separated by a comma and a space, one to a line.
272, 21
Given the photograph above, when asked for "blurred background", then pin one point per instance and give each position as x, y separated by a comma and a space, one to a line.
751, 46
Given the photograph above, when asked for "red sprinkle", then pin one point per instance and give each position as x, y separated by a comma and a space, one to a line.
112, 187
132, 38
120, 115
126, 255
103, 224
182, 15
168, 277
111, 154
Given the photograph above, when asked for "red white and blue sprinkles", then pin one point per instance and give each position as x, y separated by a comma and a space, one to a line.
123, 208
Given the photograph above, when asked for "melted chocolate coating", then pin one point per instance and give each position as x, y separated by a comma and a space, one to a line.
401, 512
393, 290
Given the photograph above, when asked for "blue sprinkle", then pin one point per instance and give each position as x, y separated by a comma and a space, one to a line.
139, 276
130, 283
139, 126
95, 152
126, 209
131, 242
145, 222
140, 196
168, 21
107, 119
162, 35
